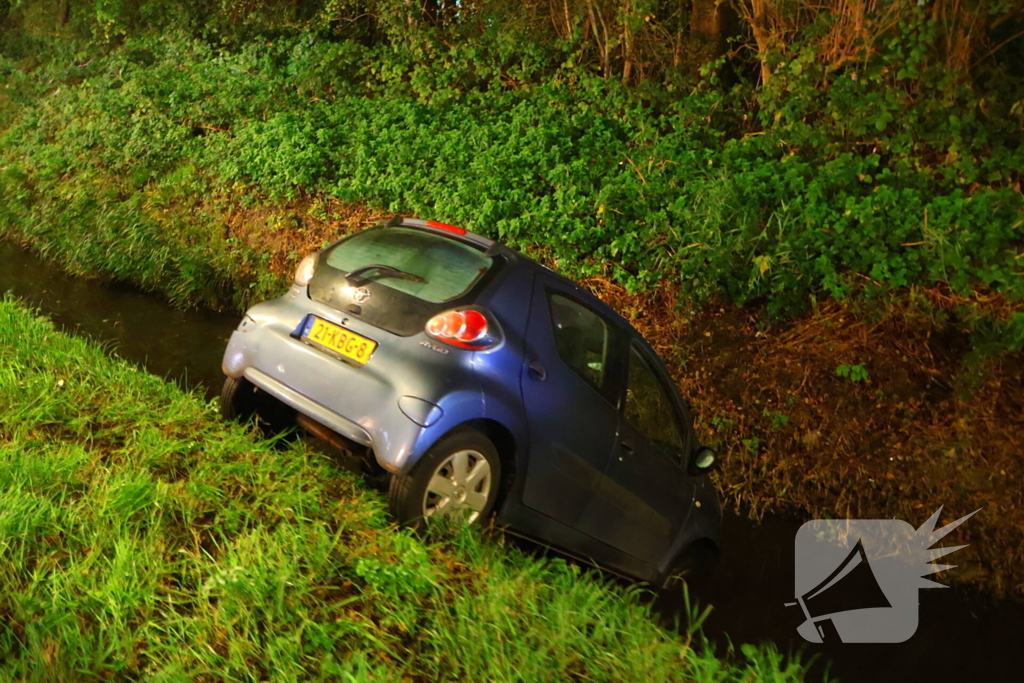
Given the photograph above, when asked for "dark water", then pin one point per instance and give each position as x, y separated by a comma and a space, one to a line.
184, 346
963, 634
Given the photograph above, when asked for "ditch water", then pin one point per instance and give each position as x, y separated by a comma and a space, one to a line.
184, 346
962, 634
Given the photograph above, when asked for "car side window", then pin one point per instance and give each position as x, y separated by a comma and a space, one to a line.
581, 339
649, 406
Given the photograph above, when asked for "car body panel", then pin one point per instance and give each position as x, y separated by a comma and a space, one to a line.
647, 492
643, 499
571, 425
365, 395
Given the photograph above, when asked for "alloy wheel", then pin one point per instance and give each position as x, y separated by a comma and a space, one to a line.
459, 487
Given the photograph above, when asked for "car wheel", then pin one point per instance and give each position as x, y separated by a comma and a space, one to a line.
459, 478
243, 401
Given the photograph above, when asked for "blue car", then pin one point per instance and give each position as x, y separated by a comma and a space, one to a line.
484, 383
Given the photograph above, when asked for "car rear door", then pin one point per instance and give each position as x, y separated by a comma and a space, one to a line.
569, 384
645, 498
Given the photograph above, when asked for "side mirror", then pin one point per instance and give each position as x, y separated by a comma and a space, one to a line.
702, 461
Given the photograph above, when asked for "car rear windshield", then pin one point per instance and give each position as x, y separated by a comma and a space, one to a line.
442, 269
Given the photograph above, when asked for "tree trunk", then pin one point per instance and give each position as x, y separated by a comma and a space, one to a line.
706, 31
602, 45
760, 23
627, 44
706, 18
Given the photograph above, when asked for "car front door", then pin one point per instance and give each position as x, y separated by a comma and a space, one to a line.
569, 389
645, 497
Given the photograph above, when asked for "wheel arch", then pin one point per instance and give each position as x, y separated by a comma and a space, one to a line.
493, 432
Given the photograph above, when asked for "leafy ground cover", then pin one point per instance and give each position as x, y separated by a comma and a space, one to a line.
142, 537
793, 191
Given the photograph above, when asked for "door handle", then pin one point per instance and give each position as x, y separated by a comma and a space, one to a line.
537, 369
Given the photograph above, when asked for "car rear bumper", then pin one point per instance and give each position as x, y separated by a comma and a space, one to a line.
307, 406
369, 404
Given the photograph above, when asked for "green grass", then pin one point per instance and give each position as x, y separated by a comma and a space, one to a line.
141, 537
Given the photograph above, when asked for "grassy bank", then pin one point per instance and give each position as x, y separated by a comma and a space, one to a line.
142, 537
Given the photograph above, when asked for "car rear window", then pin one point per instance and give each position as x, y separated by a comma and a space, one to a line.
448, 268
416, 274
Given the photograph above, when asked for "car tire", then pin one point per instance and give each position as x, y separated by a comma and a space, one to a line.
242, 401
460, 476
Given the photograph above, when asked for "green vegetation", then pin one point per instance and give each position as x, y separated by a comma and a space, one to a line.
142, 537
882, 164
854, 373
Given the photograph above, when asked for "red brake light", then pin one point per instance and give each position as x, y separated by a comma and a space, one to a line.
459, 328
449, 228
474, 326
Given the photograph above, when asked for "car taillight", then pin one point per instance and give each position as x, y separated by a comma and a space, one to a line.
466, 328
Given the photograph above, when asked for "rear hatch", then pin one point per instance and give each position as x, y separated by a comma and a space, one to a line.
398, 278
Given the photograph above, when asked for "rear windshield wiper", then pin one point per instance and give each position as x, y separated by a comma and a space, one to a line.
357, 275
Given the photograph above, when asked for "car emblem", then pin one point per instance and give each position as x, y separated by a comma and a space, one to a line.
361, 295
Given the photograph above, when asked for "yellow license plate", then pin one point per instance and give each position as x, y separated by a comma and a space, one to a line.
338, 339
